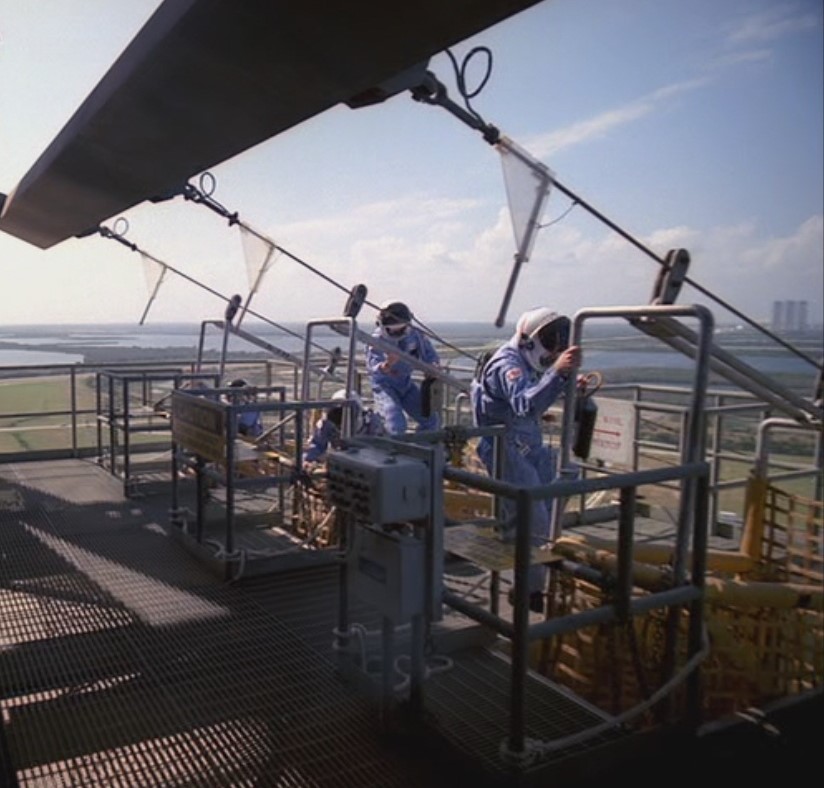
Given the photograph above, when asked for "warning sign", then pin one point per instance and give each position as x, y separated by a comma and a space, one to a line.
614, 434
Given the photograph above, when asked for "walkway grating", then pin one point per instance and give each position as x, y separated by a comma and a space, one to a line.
126, 662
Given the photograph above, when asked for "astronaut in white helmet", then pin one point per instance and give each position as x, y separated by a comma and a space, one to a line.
514, 388
327, 429
396, 394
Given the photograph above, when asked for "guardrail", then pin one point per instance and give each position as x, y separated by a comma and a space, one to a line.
51, 411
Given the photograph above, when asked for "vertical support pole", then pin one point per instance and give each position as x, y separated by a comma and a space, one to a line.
200, 513
388, 669
417, 659
175, 509
345, 525
696, 611
112, 428
231, 436
73, 400
98, 407
520, 619
126, 438
626, 537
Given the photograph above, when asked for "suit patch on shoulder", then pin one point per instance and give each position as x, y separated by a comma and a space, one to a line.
514, 373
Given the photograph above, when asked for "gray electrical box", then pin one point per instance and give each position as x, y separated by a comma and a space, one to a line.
386, 570
377, 485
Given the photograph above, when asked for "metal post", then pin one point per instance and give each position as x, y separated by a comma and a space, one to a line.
626, 537
696, 608
417, 660
73, 399
520, 620
346, 523
388, 668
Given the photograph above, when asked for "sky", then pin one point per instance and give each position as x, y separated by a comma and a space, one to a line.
695, 125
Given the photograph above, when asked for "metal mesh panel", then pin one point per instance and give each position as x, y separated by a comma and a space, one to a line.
123, 662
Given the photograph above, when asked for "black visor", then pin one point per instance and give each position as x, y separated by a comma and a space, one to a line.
392, 321
554, 336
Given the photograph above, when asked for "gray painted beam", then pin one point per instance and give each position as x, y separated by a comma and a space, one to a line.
205, 80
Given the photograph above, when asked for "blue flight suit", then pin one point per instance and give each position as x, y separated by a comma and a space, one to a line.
326, 432
250, 424
510, 393
395, 393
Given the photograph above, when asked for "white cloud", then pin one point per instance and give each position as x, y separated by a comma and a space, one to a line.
732, 59
598, 127
775, 22
769, 26
750, 271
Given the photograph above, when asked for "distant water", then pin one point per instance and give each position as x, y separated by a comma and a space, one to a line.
44, 344
31, 357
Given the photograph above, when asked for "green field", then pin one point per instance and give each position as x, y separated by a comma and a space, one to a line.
35, 413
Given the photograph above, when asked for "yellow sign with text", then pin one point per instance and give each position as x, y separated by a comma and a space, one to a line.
199, 425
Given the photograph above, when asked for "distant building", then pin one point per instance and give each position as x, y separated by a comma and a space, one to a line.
790, 315
778, 316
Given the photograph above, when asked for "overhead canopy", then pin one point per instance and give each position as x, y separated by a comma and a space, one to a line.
204, 80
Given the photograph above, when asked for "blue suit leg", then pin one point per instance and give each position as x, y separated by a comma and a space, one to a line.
522, 472
413, 405
388, 403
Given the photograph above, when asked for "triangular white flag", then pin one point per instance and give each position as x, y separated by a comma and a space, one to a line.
528, 182
258, 254
153, 272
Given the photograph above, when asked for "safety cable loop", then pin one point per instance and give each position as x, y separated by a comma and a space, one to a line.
472, 52
121, 226
105, 232
460, 78
208, 183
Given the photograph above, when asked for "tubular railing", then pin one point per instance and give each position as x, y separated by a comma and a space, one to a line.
50, 411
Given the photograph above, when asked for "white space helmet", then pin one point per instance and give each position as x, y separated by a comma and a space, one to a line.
542, 334
342, 394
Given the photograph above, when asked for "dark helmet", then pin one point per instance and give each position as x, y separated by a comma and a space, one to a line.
242, 396
394, 313
394, 319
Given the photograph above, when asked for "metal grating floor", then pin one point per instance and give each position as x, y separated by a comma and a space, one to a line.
125, 662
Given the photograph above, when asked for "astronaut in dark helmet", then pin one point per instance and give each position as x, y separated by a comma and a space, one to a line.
249, 422
395, 393
521, 379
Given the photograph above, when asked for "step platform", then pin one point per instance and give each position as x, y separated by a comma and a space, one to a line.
483, 546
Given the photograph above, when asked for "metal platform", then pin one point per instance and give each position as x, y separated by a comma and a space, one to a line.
125, 661
482, 546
